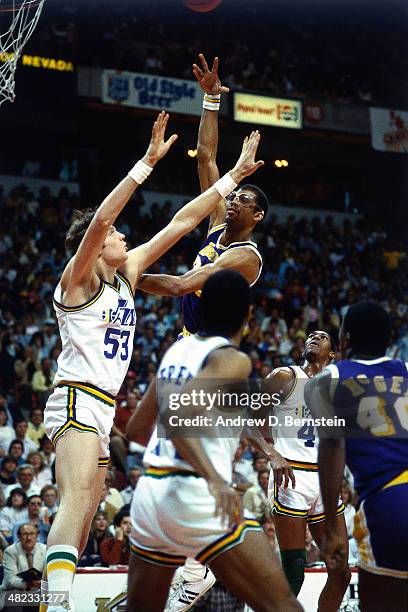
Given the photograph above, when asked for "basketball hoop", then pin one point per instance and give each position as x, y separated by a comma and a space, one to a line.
18, 19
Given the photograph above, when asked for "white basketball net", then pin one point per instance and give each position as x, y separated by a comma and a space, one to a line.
18, 19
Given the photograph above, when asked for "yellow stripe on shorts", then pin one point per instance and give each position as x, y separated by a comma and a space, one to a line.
279, 509
301, 465
71, 402
164, 472
228, 541
315, 518
92, 390
157, 557
73, 425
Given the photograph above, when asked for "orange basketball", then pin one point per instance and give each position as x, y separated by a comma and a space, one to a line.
202, 6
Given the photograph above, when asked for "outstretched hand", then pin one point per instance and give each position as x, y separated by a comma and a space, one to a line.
159, 147
208, 79
246, 164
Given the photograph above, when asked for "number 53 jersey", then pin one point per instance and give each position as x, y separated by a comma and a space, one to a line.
97, 337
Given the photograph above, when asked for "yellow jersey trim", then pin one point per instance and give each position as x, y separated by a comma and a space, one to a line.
244, 243
399, 480
216, 228
126, 281
383, 571
115, 285
81, 306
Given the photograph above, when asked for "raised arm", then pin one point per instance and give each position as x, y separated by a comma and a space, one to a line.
207, 144
193, 213
80, 271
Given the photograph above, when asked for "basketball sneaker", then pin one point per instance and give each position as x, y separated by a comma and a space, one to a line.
185, 594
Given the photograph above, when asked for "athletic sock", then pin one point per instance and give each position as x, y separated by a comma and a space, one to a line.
193, 571
293, 563
61, 566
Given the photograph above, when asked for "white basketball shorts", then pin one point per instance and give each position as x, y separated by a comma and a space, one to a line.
305, 500
173, 518
84, 408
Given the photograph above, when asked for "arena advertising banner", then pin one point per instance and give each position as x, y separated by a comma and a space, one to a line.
38, 61
335, 116
103, 590
389, 130
152, 92
278, 112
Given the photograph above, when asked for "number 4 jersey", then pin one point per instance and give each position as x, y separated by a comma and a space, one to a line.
97, 336
294, 437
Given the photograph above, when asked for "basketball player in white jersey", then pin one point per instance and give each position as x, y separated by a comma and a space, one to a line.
95, 309
181, 501
294, 508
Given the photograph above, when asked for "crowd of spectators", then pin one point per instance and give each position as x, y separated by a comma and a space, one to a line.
314, 270
289, 50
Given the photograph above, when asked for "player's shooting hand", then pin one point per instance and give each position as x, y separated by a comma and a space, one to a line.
282, 471
228, 503
246, 164
159, 147
333, 550
208, 79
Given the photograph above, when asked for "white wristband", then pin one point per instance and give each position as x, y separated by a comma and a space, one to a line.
225, 185
140, 172
212, 101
